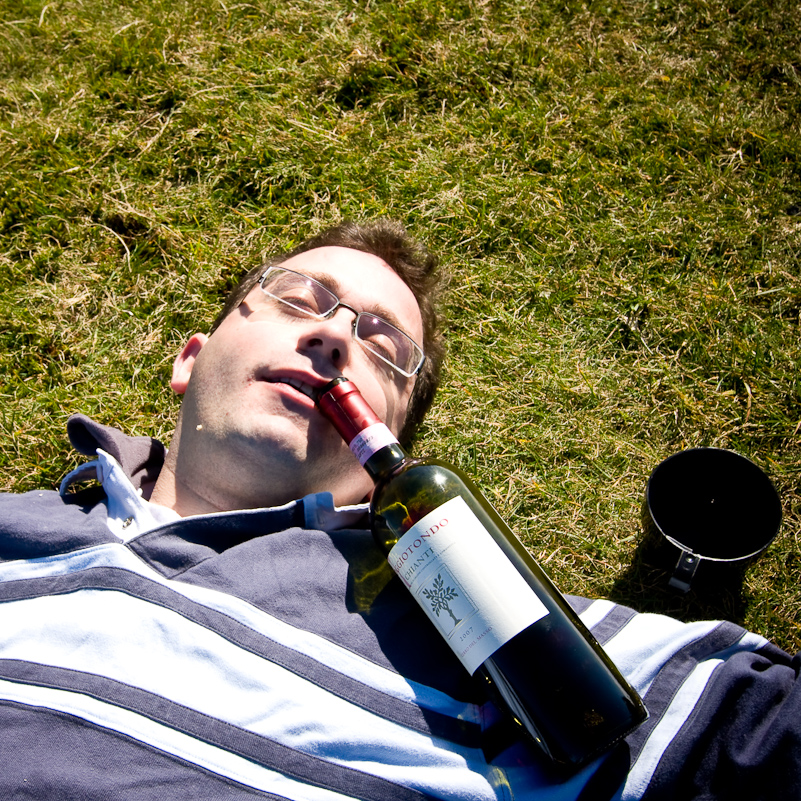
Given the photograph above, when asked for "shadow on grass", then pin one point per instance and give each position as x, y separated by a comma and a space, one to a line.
716, 590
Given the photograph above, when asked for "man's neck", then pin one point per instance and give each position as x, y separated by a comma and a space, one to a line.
170, 493
190, 499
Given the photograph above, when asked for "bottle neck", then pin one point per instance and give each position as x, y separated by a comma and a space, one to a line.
384, 461
369, 439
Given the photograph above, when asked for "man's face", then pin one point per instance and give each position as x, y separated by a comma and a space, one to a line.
249, 435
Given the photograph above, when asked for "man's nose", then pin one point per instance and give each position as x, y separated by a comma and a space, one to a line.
332, 336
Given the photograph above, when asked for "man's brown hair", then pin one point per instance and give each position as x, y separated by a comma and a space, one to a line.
389, 241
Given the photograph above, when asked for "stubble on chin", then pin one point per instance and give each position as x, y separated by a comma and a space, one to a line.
271, 461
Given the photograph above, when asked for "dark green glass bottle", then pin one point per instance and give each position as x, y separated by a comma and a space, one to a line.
489, 599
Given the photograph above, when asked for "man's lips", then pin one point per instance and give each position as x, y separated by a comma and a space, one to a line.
301, 386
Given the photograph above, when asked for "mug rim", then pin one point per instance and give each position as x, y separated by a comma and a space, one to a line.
769, 499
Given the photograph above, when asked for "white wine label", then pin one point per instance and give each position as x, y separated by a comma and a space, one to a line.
369, 440
463, 581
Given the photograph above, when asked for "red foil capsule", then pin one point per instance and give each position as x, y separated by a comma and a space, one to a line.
347, 410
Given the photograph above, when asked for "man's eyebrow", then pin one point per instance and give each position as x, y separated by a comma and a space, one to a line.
378, 309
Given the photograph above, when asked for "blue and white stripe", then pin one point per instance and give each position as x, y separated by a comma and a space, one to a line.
105, 616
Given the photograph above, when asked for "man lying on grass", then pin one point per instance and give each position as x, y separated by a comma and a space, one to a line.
218, 623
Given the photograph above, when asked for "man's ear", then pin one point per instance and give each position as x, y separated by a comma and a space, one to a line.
185, 361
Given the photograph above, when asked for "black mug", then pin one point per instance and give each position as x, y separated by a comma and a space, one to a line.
713, 506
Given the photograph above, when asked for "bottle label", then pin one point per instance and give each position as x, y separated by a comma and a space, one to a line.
463, 581
371, 439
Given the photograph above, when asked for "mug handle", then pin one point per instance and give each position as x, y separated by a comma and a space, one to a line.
684, 571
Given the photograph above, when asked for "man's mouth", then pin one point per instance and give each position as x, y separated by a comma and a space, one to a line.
300, 386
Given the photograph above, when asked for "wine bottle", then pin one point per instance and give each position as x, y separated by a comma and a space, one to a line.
486, 595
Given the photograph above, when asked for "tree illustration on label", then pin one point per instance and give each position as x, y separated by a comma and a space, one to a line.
440, 596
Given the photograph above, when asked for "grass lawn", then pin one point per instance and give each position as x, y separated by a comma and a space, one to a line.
614, 187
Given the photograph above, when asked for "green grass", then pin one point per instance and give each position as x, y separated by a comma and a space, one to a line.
615, 188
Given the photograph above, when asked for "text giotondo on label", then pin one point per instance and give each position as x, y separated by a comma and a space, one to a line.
421, 541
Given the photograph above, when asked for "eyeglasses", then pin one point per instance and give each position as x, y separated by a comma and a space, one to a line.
299, 296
